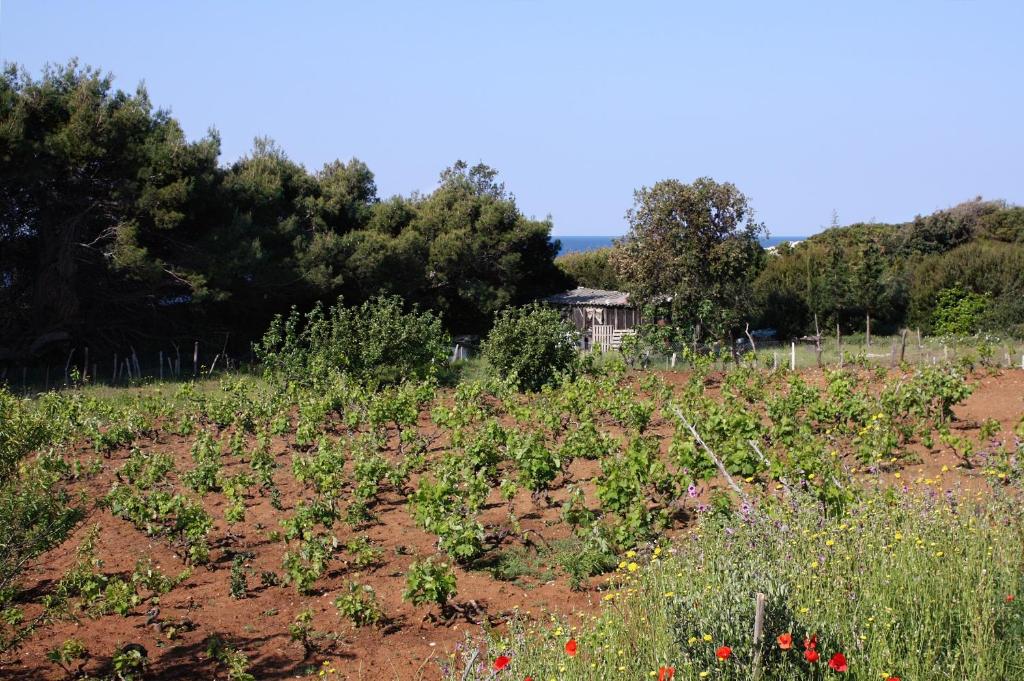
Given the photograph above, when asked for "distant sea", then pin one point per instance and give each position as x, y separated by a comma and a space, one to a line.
581, 244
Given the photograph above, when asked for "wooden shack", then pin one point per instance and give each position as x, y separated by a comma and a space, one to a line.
602, 317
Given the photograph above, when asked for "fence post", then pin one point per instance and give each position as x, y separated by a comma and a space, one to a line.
758, 632
792, 356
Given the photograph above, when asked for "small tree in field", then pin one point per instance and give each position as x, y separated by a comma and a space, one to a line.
531, 345
697, 244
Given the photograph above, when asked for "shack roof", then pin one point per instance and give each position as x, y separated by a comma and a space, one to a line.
591, 297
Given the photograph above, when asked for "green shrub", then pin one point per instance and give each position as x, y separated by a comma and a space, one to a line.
531, 346
958, 311
377, 342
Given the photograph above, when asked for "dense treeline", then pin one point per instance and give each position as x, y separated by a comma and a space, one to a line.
959, 270
117, 231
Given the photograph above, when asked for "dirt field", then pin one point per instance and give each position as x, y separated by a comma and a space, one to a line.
414, 639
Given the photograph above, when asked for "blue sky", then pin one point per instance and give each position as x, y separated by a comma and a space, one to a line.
873, 109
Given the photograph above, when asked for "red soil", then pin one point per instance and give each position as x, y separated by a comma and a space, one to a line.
414, 638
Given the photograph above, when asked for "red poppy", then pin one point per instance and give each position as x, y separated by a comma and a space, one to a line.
838, 663
893, 678
1009, 598
723, 653
666, 673
811, 655
811, 643
501, 662
785, 641
570, 647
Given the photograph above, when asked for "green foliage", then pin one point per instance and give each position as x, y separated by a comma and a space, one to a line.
377, 342
69, 652
234, 661
592, 269
697, 243
958, 312
129, 663
905, 556
531, 346
898, 273
359, 605
429, 582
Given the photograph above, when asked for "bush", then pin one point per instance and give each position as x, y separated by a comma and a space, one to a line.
530, 346
958, 311
377, 342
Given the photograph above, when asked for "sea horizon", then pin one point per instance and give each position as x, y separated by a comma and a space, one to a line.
584, 243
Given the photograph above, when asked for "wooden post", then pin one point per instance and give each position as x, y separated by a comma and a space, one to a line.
67, 365
775, 361
817, 340
672, 362
839, 345
903, 345
113, 377
195, 360
160, 363
758, 632
792, 356
867, 332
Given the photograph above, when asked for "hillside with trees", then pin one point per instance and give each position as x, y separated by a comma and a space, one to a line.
959, 270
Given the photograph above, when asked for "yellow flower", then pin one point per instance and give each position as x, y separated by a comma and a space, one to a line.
707, 638
830, 542
897, 475
632, 567
814, 565
691, 640
945, 469
704, 674
630, 554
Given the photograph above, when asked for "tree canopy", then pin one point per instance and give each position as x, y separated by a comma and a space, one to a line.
697, 245
117, 231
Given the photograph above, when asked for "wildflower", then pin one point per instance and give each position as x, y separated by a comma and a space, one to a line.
838, 663
811, 643
666, 673
723, 653
501, 662
632, 567
707, 638
1009, 598
811, 655
785, 641
570, 647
